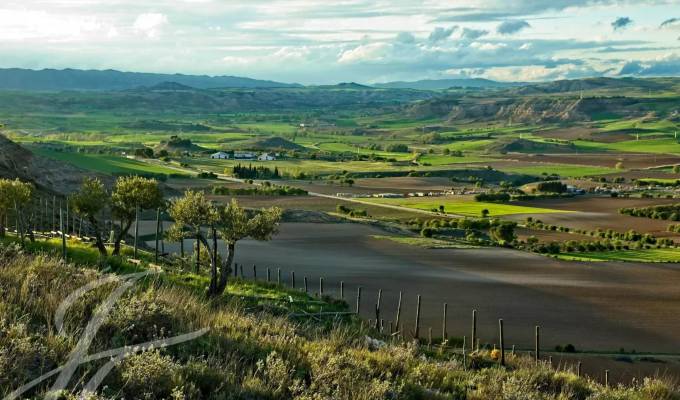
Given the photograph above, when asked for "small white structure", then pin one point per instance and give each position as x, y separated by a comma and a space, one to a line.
220, 155
244, 155
266, 157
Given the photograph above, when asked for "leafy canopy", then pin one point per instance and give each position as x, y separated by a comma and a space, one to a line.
236, 223
90, 199
14, 192
131, 192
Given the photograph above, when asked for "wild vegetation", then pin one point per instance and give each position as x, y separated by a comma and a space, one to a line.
252, 348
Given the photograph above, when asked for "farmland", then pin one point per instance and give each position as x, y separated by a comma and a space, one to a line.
494, 200
466, 207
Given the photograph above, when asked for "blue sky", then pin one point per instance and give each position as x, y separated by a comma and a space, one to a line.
351, 40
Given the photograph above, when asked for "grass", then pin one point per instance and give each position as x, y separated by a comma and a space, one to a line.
563, 170
665, 255
654, 146
427, 243
463, 206
107, 164
440, 159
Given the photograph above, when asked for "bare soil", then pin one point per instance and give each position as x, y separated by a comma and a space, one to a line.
629, 160
596, 306
595, 212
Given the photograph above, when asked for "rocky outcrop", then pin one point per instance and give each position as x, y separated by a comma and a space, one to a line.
46, 174
539, 109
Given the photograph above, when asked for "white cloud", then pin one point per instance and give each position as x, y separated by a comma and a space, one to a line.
367, 52
150, 24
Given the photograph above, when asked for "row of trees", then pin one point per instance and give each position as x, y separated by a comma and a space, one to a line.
664, 212
193, 216
129, 196
257, 172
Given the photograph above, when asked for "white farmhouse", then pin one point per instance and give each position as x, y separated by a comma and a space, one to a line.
244, 155
266, 157
220, 155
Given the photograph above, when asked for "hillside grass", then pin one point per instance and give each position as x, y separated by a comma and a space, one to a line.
253, 349
103, 163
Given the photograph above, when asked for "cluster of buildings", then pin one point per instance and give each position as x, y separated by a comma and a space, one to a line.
243, 155
392, 195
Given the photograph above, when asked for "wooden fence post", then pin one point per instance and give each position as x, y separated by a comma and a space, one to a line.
377, 306
67, 217
158, 228
473, 338
358, 299
429, 338
254, 272
342, 290
396, 322
269, 275
578, 369
537, 345
63, 235
137, 237
501, 341
464, 353
54, 213
292, 279
278, 276
416, 332
320, 287
606, 378
306, 286
444, 333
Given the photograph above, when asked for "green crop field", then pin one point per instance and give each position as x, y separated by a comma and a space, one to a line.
462, 206
666, 255
563, 170
106, 164
658, 146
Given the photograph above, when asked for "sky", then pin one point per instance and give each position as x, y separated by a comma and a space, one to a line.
365, 41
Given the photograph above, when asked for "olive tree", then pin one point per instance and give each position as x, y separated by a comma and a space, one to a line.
129, 194
89, 202
231, 223
236, 223
190, 213
14, 194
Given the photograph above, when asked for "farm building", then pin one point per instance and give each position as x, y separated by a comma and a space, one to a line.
220, 155
266, 157
244, 155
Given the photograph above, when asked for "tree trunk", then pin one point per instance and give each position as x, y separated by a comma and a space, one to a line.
119, 237
198, 251
212, 290
226, 266
98, 237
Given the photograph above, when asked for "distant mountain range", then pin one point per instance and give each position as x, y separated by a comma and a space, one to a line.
442, 84
74, 79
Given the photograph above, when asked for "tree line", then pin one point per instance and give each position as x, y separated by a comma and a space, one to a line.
664, 212
193, 215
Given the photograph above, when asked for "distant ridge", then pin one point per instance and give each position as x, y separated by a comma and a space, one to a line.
75, 79
442, 84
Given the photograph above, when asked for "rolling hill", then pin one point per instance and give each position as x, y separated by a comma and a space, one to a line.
74, 79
